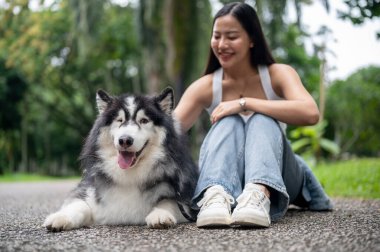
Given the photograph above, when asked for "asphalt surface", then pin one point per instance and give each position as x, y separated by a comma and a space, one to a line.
354, 225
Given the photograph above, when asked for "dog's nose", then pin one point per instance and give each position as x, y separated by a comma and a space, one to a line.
125, 141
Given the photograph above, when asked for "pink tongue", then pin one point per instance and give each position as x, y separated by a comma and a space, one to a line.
125, 159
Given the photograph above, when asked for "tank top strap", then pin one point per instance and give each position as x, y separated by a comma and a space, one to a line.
268, 89
267, 84
216, 90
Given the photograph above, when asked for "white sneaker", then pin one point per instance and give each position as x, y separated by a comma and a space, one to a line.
215, 208
252, 208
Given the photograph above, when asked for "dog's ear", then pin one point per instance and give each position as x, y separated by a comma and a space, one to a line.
102, 100
166, 100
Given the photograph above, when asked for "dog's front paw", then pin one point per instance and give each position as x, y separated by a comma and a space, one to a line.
160, 218
59, 221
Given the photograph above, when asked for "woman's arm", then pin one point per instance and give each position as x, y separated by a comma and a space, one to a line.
297, 108
196, 97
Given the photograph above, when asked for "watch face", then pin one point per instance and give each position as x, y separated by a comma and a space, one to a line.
242, 102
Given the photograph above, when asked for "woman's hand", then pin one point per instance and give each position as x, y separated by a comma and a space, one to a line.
225, 109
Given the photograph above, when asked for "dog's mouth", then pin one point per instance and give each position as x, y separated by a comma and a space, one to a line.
127, 159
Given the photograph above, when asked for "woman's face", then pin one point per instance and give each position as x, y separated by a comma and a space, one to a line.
230, 42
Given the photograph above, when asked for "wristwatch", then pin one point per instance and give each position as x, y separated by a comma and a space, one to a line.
242, 103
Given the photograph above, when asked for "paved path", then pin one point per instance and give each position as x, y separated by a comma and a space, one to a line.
354, 225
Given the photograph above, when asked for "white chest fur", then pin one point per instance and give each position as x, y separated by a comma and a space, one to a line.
124, 204
119, 205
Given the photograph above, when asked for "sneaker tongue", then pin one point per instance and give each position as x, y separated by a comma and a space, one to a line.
125, 159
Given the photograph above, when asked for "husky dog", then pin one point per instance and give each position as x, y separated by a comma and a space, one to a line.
136, 167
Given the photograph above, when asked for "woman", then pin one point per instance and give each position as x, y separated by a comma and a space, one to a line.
245, 155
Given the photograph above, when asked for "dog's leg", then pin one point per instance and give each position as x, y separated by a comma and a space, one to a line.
73, 215
164, 215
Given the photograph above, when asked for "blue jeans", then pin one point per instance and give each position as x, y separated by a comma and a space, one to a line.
235, 153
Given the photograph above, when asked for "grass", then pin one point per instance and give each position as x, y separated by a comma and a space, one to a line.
356, 178
24, 177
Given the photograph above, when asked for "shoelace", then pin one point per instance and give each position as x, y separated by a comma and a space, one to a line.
215, 196
253, 198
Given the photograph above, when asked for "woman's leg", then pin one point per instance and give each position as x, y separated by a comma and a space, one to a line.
221, 172
269, 161
221, 157
313, 196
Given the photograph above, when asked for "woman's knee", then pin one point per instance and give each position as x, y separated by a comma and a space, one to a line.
262, 122
231, 119
229, 129
232, 123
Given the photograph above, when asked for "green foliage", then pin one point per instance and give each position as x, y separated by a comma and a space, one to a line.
293, 52
309, 142
357, 178
352, 109
359, 11
12, 89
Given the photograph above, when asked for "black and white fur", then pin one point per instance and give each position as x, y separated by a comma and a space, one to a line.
136, 167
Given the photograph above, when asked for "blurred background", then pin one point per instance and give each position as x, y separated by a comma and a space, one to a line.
55, 54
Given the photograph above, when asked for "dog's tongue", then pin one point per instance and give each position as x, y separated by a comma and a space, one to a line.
125, 159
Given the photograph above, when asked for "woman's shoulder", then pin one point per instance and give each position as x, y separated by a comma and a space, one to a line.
201, 89
205, 80
282, 77
203, 84
278, 68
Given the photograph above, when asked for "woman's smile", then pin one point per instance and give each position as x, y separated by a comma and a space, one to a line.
225, 56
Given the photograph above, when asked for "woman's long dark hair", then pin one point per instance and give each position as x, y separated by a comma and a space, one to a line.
247, 17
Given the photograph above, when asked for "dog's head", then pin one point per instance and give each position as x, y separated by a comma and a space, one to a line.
134, 124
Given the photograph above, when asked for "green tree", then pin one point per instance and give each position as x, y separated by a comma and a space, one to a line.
12, 90
352, 109
294, 53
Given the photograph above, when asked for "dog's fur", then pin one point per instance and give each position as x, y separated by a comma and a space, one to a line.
136, 167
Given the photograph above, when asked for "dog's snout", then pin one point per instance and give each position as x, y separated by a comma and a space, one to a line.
125, 141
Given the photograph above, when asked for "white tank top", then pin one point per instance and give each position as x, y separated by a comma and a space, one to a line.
217, 90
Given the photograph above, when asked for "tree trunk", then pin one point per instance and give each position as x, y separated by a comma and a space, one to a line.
24, 141
154, 52
322, 89
173, 37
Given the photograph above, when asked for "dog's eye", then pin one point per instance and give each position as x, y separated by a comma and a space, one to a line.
144, 121
120, 120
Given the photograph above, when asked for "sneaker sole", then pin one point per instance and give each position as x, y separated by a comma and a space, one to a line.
213, 222
250, 222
